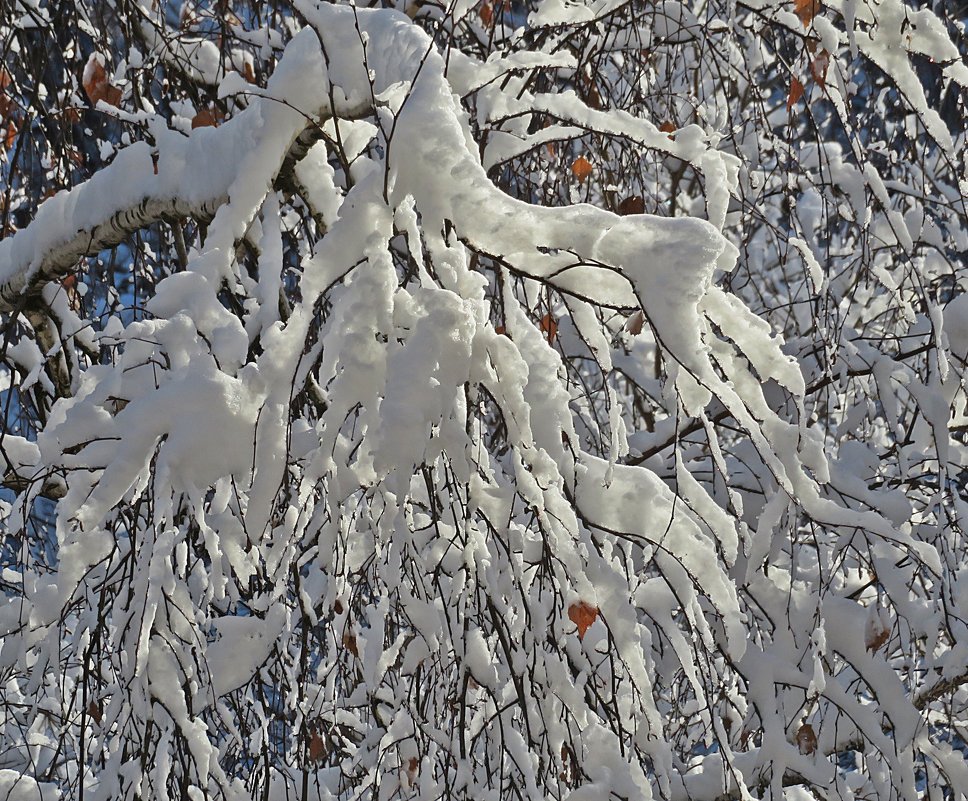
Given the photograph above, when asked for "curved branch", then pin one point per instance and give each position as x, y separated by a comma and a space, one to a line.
19, 278
181, 176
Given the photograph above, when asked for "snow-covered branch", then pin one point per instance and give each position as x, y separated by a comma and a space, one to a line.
553, 402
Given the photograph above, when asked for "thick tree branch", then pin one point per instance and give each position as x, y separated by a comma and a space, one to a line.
20, 278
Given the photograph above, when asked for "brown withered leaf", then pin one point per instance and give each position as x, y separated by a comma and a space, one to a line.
207, 117
634, 204
96, 84
796, 92
589, 93
806, 10
486, 13
582, 615
818, 67
806, 739
581, 168
550, 327
317, 748
6, 102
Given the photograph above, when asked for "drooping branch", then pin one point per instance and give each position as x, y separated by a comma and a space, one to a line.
181, 176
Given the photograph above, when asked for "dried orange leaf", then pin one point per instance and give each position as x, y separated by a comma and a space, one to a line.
206, 118
581, 168
806, 10
818, 67
550, 327
73, 295
806, 739
6, 102
96, 84
486, 13
94, 79
317, 748
94, 711
668, 127
582, 615
112, 95
632, 205
589, 93
796, 92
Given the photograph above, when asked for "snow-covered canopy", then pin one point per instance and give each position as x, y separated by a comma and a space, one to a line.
498, 406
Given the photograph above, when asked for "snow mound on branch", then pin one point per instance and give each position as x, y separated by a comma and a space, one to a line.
956, 325
190, 293
635, 503
17, 786
243, 646
666, 265
670, 263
